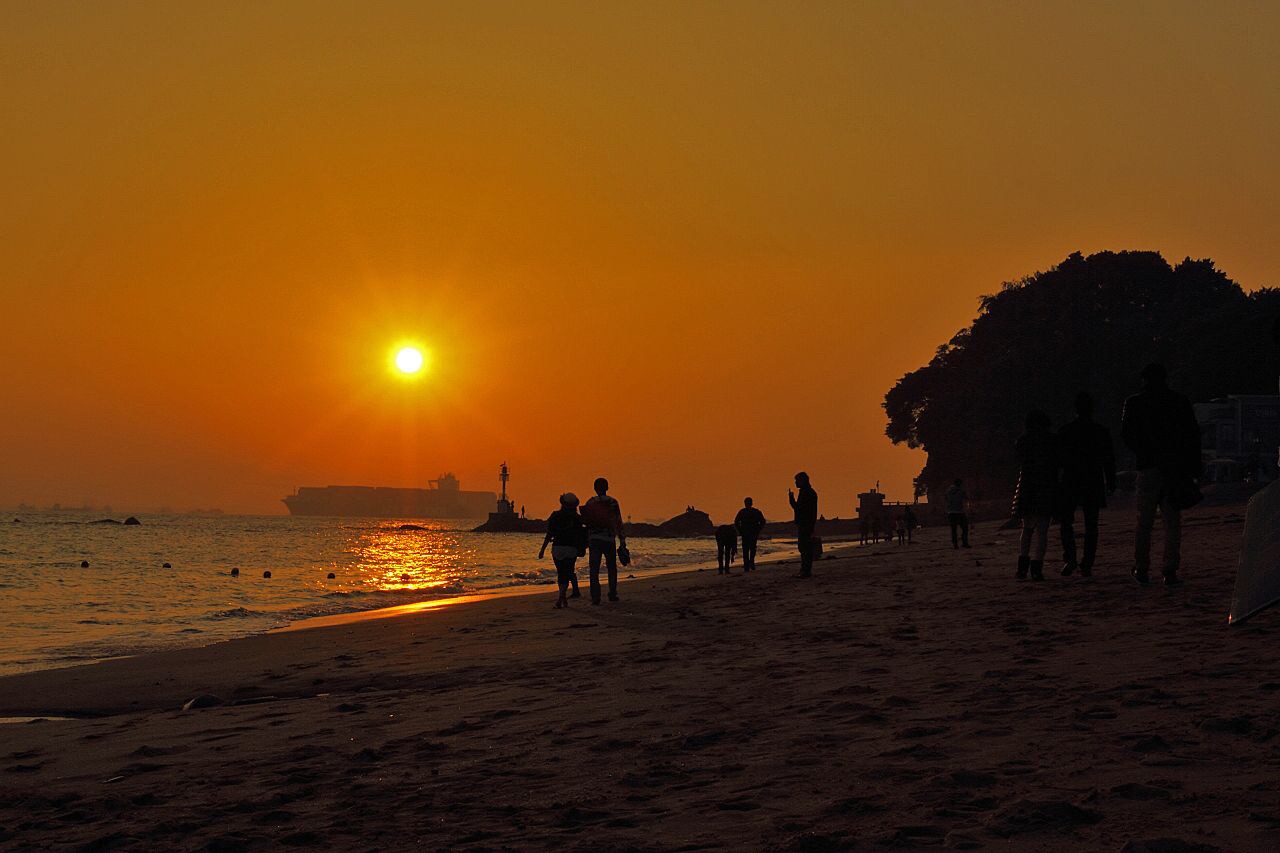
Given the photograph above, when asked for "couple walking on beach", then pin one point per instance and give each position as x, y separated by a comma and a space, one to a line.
596, 533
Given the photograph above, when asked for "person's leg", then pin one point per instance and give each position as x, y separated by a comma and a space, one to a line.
1148, 499
954, 521
748, 553
804, 538
564, 571
1172, 518
1041, 525
1024, 548
719, 558
611, 560
596, 551
1066, 528
964, 530
573, 579
1090, 514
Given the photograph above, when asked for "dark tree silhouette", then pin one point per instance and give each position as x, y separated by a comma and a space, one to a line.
1090, 323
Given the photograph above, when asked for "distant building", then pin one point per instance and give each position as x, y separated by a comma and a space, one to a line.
1239, 435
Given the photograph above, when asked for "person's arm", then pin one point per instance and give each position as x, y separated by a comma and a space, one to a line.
542, 552
1129, 426
1108, 460
617, 523
791, 496
1191, 427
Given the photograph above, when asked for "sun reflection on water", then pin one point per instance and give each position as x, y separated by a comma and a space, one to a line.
392, 559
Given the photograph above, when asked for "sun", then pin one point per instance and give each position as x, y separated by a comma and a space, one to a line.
410, 360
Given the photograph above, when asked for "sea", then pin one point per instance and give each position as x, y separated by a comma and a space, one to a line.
55, 613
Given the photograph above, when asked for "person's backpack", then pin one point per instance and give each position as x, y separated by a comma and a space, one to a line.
598, 514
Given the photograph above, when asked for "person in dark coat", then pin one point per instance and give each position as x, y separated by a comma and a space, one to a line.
1035, 499
749, 522
726, 547
805, 508
1160, 427
1088, 462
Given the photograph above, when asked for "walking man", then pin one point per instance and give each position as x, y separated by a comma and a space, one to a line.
749, 521
805, 508
1088, 475
1160, 427
603, 517
956, 500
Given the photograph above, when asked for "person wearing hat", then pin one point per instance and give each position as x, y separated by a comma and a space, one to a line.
567, 536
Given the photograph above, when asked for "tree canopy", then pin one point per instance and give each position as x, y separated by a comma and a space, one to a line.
1087, 324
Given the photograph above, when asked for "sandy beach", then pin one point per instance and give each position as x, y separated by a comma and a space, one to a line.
904, 697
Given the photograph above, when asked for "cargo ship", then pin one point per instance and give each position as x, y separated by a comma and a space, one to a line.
443, 498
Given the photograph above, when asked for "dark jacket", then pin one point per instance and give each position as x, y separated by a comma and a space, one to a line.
806, 508
749, 521
1088, 464
565, 527
1160, 427
1037, 491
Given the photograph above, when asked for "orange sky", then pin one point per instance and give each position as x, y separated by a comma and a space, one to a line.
686, 245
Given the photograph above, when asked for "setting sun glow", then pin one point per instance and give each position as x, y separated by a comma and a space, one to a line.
409, 360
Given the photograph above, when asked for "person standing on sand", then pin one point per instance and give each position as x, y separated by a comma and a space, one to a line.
956, 500
909, 519
805, 508
567, 536
605, 535
749, 521
1088, 476
1036, 495
1160, 427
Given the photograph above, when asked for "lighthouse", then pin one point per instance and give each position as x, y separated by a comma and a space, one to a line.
504, 503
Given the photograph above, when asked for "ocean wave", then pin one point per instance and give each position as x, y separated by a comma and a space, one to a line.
235, 613
411, 594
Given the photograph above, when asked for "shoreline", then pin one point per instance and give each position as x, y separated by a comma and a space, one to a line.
355, 617
213, 613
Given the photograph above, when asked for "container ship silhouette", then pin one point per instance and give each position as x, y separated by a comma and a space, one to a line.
443, 498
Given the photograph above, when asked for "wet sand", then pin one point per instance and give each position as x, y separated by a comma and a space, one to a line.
904, 697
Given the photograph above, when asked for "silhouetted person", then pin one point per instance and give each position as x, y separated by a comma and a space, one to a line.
902, 531
1037, 492
749, 522
1088, 462
726, 547
875, 529
956, 499
805, 508
567, 535
909, 519
864, 530
603, 516
1160, 427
